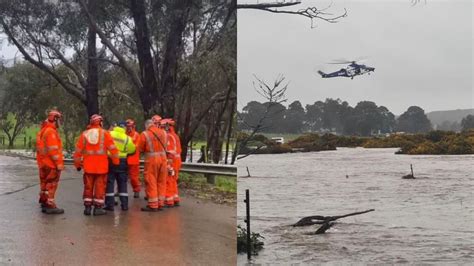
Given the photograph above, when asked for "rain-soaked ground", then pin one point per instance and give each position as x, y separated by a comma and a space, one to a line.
197, 233
429, 220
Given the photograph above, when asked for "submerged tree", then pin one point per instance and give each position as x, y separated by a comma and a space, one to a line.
274, 95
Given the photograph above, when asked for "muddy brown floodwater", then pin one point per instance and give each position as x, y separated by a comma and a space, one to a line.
197, 233
429, 220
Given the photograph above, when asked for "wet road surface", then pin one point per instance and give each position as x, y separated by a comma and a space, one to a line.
197, 233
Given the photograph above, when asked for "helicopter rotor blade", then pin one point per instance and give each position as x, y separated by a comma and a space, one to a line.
346, 61
340, 62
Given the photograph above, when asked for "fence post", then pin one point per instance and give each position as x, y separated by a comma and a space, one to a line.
247, 221
211, 179
191, 151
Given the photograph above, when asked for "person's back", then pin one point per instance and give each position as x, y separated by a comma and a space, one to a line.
91, 154
158, 138
153, 144
118, 173
93, 144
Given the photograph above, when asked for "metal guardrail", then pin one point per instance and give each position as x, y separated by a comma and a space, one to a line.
198, 168
207, 169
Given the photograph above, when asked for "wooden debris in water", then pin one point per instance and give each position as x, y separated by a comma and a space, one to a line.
410, 176
325, 221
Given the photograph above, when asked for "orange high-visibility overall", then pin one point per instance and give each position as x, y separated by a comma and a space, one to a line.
153, 144
91, 154
133, 162
174, 160
49, 156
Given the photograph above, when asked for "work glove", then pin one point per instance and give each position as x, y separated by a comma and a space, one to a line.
78, 169
171, 171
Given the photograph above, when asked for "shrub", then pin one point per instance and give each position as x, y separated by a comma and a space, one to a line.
255, 241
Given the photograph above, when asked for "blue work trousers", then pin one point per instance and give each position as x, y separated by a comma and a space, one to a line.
117, 173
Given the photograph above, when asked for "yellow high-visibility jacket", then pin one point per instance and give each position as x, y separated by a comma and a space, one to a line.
123, 142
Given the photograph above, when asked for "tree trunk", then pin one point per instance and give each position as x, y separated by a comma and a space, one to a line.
11, 140
229, 130
148, 93
174, 46
92, 87
186, 136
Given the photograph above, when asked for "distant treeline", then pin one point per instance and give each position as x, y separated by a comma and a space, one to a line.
433, 142
335, 116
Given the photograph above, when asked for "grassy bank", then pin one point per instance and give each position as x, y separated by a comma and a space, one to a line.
224, 190
434, 142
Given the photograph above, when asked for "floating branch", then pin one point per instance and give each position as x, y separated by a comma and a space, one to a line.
326, 221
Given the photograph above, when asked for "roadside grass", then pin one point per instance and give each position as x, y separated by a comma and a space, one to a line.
223, 183
224, 190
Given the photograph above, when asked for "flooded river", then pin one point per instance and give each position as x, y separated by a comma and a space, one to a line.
429, 220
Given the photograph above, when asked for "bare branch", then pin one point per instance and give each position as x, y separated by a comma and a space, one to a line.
310, 12
268, 5
415, 2
250, 153
74, 90
274, 96
111, 47
110, 61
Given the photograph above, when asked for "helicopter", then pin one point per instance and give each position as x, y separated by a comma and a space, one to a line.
352, 70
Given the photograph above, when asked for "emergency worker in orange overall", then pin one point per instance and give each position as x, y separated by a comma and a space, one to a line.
173, 153
49, 156
91, 154
133, 161
152, 144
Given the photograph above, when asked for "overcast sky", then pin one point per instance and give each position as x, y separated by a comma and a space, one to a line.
422, 54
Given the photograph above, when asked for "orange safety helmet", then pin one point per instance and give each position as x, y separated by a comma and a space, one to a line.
167, 121
54, 115
96, 119
156, 120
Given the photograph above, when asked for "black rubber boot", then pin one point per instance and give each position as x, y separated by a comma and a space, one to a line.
88, 210
43, 207
136, 195
124, 208
109, 208
148, 209
53, 210
176, 203
99, 211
